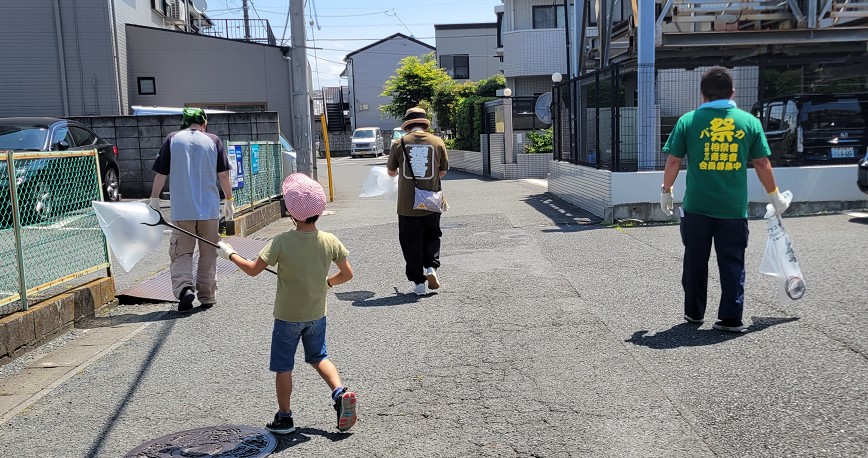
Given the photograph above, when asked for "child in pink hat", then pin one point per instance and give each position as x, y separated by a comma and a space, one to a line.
303, 257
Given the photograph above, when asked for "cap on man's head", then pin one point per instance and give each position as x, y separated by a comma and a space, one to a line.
415, 115
193, 115
303, 196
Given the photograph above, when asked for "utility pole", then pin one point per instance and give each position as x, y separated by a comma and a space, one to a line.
246, 20
301, 120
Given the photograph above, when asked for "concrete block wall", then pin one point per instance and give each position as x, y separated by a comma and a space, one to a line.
533, 165
139, 138
467, 161
585, 187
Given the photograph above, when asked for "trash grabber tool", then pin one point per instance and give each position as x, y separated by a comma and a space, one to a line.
168, 224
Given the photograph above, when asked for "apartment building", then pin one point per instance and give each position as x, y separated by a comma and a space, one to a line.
468, 52
367, 70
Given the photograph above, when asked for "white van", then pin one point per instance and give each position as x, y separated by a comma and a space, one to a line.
367, 141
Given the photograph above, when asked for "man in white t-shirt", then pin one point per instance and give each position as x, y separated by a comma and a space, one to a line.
194, 161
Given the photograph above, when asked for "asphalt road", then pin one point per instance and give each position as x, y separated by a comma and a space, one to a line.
552, 336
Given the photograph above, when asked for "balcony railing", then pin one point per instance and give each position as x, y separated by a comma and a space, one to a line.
255, 30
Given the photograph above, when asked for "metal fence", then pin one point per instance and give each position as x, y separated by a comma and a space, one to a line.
49, 233
596, 115
261, 172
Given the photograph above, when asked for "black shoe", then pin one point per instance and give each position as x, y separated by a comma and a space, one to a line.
345, 406
186, 300
690, 319
280, 425
206, 306
731, 326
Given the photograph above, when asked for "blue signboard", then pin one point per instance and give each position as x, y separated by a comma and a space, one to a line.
254, 159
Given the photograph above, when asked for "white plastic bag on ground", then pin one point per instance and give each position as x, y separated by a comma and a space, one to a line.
779, 259
129, 239
379, 183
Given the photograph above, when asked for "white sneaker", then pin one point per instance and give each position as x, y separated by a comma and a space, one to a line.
420, 289
431, 273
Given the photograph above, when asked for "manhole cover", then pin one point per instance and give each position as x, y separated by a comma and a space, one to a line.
226, 441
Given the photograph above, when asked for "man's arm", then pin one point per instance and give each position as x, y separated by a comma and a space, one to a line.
225, 184
765, 174
159, 183
670, 172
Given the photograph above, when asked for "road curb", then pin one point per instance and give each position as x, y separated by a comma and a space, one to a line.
23, 331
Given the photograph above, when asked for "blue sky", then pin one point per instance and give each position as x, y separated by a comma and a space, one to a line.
340, 29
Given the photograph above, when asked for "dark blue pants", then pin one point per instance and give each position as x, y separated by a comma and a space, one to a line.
730, 240
420, 243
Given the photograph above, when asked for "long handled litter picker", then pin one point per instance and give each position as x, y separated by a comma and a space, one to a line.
122, 223
163, 221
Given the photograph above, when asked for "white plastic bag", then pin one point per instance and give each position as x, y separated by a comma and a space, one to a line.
379, 183
779, 260
129, 239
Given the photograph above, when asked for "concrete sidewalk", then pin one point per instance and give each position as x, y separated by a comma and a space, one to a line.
552, 336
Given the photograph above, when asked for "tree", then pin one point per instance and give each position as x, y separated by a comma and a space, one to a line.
414, 83
445, 102
488, 87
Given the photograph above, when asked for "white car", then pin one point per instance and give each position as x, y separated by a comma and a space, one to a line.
367, 141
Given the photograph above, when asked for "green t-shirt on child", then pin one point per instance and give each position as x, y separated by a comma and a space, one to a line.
718, 142
303, 260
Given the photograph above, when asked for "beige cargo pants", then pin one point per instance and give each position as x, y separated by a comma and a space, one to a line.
181, 250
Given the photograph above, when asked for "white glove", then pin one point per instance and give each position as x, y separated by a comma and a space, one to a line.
224, 250
666, 203
780, 201
229, 209
154, 202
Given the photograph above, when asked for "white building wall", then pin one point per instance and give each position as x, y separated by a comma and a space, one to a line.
479, 44
31, 81
134, 13
196, 69
370, 70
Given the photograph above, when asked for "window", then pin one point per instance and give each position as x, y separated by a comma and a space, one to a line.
456, 66
774, 116
82, 137
499, 30
548, 17
147, 85
159, 5
61, 134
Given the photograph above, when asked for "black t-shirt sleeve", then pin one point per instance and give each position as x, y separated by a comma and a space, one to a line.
164, 159
222, 157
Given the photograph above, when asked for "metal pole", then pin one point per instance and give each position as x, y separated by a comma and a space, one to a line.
246, 20
647, 118
61, 58
301, 117
325, 135
16, 226
99, 197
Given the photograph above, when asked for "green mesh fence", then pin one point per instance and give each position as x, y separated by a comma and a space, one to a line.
57, 237
262, 172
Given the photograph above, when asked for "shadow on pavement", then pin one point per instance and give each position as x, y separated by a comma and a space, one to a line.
859, 220
366, 299
687, 334
302, 435
108, 426
115, 320
567, 217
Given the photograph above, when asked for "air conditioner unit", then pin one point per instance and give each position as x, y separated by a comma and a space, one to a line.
174, 12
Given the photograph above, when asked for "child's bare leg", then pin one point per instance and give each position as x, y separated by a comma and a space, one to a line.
283, 386
328, 372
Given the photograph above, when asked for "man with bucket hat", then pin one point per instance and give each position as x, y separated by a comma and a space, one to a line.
193, 161
420, 160
303, 258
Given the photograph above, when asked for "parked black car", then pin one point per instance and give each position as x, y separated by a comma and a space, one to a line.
41, 189
862, 177
815, 129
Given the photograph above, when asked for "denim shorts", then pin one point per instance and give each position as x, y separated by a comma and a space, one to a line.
284, 342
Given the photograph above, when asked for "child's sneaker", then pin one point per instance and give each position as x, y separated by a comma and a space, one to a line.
345, 406
431, 274
280, 425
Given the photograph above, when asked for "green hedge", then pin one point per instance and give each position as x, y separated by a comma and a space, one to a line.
471, 112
